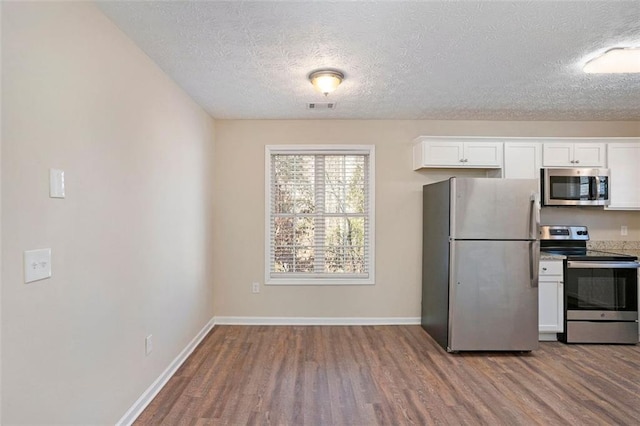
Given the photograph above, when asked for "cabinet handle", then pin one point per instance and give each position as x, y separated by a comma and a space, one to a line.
572, 161
544, 269
577, 161
462, 160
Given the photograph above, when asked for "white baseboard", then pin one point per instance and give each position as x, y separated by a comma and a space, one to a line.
316, 321
547, 337
136, 409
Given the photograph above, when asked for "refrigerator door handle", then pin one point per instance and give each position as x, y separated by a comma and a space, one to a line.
534, 246
534, 216
534, 262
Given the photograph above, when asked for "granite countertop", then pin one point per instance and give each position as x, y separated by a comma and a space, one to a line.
626, 252
549, 256
629, 248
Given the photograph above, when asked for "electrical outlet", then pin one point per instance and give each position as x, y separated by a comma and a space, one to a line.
56, 183
37, 265
255, 287
148, 344
623, 230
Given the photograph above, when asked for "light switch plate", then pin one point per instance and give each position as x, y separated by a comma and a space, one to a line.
148, 344
37, 265
56, 183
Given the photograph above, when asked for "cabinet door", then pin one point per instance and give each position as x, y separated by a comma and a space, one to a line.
522, 160
557, 155
487, 154
550, 312
624, 165
442, 153
589, 154
550, 297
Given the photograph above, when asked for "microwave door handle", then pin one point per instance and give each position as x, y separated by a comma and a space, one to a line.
597, 180
592, 188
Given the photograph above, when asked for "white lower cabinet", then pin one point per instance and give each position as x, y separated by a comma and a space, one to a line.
550, 299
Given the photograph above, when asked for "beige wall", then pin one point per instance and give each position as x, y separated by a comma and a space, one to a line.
131, 241
603, 225
0, 220
239, 211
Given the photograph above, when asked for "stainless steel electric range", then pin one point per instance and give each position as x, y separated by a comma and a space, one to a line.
600, 288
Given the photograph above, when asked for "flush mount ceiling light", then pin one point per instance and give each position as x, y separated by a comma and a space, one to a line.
326, 80
619, 60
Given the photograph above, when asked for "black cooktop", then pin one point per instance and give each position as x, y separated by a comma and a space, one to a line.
584, 254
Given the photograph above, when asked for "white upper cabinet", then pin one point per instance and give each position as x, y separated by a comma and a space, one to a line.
522, 160
567, 154
624, 165
446, 152
487, 154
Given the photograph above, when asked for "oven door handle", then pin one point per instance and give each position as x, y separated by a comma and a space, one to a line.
602, 265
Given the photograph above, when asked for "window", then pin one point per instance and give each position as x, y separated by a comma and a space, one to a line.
319, 212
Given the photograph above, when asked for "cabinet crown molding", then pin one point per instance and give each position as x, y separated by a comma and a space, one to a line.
543, 139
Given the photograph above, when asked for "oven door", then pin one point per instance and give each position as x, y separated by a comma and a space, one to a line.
601, 290
575, 187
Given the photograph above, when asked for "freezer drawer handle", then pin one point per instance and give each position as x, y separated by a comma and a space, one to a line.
534, 262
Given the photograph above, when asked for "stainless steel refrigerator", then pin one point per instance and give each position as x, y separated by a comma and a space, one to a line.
480, 264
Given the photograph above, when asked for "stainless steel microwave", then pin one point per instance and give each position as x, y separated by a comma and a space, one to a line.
575, 187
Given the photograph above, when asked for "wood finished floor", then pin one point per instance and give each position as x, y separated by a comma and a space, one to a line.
392, 375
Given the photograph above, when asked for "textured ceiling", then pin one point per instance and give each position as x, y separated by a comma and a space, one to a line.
476, 60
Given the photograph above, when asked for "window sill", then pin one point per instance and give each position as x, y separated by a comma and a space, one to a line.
320, 281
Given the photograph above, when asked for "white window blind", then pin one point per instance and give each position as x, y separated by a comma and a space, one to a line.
319, 216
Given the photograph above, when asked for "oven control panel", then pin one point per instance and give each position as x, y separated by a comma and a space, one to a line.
564, 232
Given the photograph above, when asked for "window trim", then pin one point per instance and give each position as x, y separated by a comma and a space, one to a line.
322, 150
